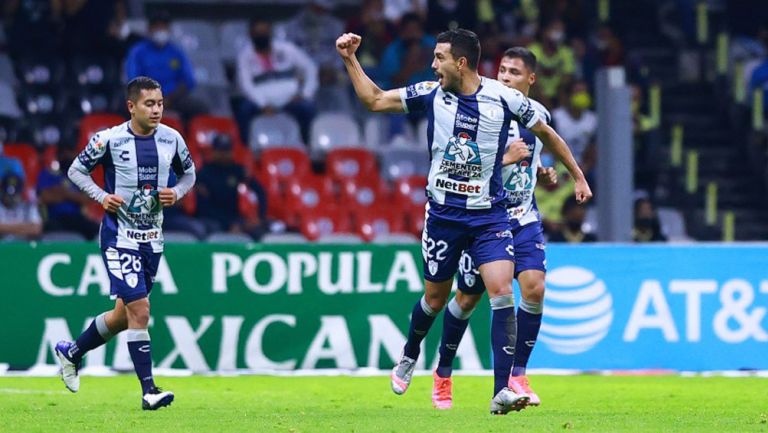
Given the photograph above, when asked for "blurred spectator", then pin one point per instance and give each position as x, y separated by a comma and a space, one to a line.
375, 31
217, 193
408, 59
64, 203
88, 27
759, 77
33, 27
450, 14
577, 124
550, 198
555, 62
163, 60
609, 47
647, 227
491, 52
573, 220
394, 10
274, 75
19, 218
10, 165
315, 30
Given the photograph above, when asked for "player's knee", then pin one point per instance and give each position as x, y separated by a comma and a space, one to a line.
435, 301
138, 313
466, 302
534, 292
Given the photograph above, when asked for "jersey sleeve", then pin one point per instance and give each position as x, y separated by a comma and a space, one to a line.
521, 107
94, 151
184, 168
415, 97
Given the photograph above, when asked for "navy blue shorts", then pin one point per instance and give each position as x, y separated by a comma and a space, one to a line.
486, 234
131, 272
529, 255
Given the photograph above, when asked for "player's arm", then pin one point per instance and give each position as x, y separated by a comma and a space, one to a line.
367, 91
560, 150
184, 168
80, 172
516, 152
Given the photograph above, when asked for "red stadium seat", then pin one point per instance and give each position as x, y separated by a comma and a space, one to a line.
378, 220
247, 203
324, 221
174, 122
29, 158
93, 123
189, 203
284, 164
410, 191
276, 208
351, 163
306, 194
364, 192
201, 130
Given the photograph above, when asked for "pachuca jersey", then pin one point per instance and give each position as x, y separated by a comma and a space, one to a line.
520, 177
466, 135
135, 168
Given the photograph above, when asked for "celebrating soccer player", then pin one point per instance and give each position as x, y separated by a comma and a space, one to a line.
138, 157
517, 71
469, 119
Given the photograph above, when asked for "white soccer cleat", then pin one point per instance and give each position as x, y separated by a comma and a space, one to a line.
69, 368
402, 374
507, 400
156, 398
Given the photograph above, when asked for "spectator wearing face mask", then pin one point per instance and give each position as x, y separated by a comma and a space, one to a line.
577, 124
19, 218
571, 230
273, 76
556, 64
159, 58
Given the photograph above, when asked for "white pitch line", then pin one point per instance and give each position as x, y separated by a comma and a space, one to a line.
30, 391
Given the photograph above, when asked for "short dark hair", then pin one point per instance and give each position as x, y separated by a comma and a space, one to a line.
524, 54
464, 43
135, 86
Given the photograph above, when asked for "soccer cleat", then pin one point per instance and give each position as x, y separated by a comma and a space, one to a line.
442, 392
520, 385
402, 374
507, 400
156, 398
69, 367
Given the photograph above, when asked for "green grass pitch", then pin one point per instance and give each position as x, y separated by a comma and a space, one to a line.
365, 404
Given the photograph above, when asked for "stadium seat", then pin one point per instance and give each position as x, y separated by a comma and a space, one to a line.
421, 132
351, 163
208, 70
201, 130
673, 224
399, 162
284, 164
363, 193
284, 238
410, 192
30, 160
275, 130
378, 220
195, 36
174, 121
323, 221
233, 36
247, 203
379, 136
7, 75
229, 238
92, 72
8, 106
333, 130
38, 73
305, 194
93, 123
414, 220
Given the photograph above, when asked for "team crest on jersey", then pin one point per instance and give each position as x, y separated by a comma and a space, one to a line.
432, 265
132, 280
462, 157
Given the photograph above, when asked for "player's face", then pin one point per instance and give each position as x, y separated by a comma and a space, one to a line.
147, 111
513, 73
445, 66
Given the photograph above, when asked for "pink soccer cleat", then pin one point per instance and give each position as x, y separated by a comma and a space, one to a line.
442, 392
520, 385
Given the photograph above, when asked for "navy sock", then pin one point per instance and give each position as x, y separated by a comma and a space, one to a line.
141, 355
528, 324
455, 321
94, 336
422, 317
503, 338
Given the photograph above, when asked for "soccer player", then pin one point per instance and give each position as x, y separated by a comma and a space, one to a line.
465, 209
517, 70
138, 157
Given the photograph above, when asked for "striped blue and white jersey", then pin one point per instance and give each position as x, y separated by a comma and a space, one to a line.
466, 135
520, 177
135, 168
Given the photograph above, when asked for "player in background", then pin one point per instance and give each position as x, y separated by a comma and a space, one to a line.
139, 157
517, 70
465, 209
